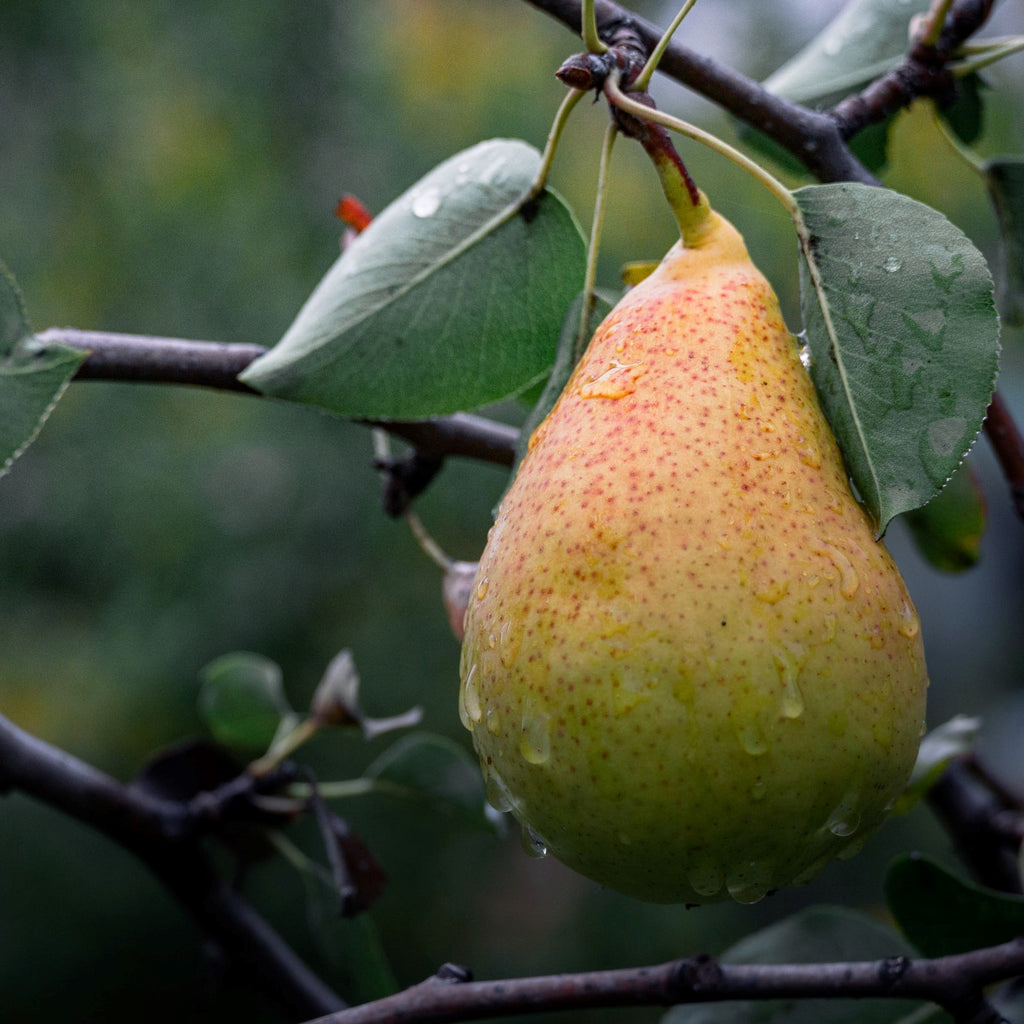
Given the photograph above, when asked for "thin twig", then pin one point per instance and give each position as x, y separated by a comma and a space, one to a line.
147, 826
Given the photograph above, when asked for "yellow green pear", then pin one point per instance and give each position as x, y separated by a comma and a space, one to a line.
689, 669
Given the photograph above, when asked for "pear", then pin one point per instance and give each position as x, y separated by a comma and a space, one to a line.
689, 669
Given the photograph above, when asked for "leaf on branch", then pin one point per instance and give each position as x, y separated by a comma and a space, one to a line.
942, 914
436, 770
450, 299
33, 376
903, 337
948, 530
816, 935
1004, 177
242, 700
866, 39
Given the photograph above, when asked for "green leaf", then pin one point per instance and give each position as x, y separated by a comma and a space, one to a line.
944, 743
435, 769
948, 529
815, 935
33, 376
866, 39
965, 115
242, 701
452, 298
942, 914
903, 338
1005, 179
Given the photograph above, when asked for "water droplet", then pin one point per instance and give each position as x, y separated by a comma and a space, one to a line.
773, 592
535, 739
482, 588
789, 660
498, 795
706, 878
752, 738
616, 382
426, 203
493, 173
750, 883
845, 818
892, 264
758, 790
910, 624
849, 581
510, 641
624, 838
470, 711
493, 718
533, 844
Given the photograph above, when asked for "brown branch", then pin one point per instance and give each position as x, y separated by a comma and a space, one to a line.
146, 359
147, 826
812, 137
953, 982
1008, 444
924, 72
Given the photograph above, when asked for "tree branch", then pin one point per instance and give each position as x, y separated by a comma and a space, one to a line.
145, 825
154, 360
924, 72
953, 982
811, 136
1008, 444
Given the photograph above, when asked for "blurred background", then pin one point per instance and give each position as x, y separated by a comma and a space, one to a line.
171, 168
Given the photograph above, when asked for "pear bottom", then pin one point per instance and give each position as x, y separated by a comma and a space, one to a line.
678, 785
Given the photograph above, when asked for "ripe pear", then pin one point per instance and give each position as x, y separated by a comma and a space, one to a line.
690, 670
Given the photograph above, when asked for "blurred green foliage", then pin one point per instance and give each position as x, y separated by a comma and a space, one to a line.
171, 168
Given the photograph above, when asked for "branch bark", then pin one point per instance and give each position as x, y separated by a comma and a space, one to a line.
953, 982
147, 359
146, 826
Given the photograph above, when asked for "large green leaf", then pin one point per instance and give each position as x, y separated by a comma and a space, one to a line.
1005, 179
866, 39
903, 337
450, 299
33, 376
815, 935
942, 914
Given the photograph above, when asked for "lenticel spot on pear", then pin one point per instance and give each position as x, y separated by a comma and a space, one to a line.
689, 669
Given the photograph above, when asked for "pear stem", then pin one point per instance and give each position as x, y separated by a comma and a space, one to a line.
565, 108
631, 106
644, 78
588, 25
936, 21
590, 278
